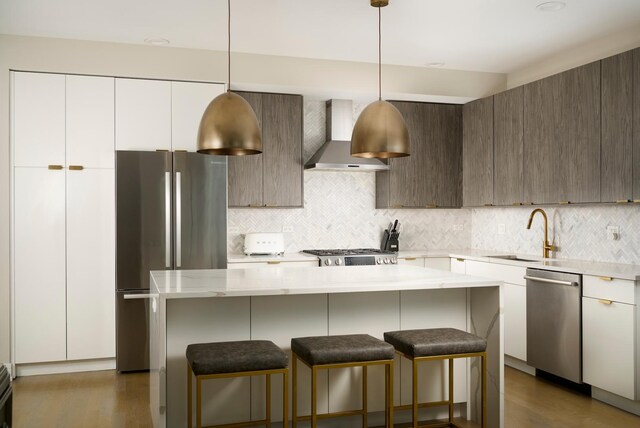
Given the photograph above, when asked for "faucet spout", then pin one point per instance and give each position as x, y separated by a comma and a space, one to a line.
546, 246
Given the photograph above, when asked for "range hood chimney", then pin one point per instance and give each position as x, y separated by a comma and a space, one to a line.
335, 154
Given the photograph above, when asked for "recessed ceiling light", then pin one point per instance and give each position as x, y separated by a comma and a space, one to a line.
551, 6
157, 41
435, 64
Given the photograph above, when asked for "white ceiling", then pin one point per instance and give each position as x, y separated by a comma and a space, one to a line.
481, 35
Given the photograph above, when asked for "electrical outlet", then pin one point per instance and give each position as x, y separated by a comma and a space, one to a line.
457, 227
501, 229
233, 229
287, 229
613, 233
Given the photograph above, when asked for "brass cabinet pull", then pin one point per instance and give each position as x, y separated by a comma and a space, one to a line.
488, 205
410, 258
270, 205
180, 151
605, 278
162, 150
431, 206
564, 202
517, 204
623, 201
636, 201
460, 260
527, 203
55, 167
76, 167
605, 302
255, 205
273, 262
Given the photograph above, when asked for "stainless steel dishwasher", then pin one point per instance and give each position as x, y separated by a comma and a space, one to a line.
554, 323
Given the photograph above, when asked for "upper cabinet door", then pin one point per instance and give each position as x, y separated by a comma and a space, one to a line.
636, 125
477, 153
143, 114
282, 150
188, 102
443, 134
245, 172
90, 115
38, 119
508, 127
617, 135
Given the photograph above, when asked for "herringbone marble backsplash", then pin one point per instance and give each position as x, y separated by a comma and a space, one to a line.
580, 232
340, 212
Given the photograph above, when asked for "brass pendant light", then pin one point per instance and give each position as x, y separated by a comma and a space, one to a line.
380, 131
229, 125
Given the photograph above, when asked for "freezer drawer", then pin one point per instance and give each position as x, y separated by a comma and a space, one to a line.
132, 324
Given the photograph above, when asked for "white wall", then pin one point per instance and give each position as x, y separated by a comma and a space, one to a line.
316, 78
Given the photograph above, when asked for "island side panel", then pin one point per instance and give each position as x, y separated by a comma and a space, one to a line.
201, 320
487, 320
370, 313
434, 309
279, 319
157, 362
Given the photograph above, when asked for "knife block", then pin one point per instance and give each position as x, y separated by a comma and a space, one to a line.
393, 243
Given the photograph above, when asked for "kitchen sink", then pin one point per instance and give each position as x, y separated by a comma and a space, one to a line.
514, 258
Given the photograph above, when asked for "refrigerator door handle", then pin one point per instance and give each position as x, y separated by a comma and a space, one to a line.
167, 218
178, 196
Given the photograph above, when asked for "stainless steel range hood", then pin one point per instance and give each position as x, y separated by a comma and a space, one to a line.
335, 154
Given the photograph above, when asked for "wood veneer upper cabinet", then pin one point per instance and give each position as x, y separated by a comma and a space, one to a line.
508, 128
273, 178
282, 150
636, 125
431, 176
477, 153
617, 127
245, 172
580, 135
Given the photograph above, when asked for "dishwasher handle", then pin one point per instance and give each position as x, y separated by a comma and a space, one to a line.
551, 281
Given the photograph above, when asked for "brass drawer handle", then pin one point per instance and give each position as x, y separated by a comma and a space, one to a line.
605, 302
636, 201
488, 205
162, 150
410, 258
56, 167
605, 278
527, 203
623, 201
273, 262
460, 260
76, 167
180, 151
270, 205
565, 202
517, 204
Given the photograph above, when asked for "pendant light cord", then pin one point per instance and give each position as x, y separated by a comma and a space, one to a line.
379, 54
229, 46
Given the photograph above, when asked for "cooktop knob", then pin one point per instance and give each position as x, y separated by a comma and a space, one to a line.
394, 261
338, 262
327, 262
379, 261
386, 261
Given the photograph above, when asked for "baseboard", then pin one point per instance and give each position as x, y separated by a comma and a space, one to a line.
65, 367
615, 400
519, 365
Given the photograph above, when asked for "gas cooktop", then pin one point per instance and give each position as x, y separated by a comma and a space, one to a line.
354, 257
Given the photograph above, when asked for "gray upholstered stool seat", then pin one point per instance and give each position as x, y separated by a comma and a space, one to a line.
232, 357
341, 349
435, 341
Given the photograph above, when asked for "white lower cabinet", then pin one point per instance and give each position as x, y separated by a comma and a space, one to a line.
441, 263
90, 264
608, 346
39, 265
458, 266
515, 321
411, 261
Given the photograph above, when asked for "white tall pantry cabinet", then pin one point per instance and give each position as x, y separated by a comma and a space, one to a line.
64, 217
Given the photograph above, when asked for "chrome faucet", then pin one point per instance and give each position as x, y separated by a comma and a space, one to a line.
546, 246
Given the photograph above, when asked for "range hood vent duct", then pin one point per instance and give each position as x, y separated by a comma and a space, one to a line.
335, 154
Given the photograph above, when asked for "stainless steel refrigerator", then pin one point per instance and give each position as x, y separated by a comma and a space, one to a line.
171, 213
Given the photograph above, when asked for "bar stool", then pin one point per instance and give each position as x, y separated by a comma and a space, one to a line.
329, 352
236, 359
440, 344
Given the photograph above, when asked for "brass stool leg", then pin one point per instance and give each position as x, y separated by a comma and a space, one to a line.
294, 391
268, 399
285, 399
189, 403
484, 390
364, 397
390, 394
414, 402
450, 390
198, 402
314, 416
386, 396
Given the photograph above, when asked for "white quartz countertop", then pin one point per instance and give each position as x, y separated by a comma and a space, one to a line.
270, 281
614, 270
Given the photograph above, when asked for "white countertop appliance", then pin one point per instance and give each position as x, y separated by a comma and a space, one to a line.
263, 243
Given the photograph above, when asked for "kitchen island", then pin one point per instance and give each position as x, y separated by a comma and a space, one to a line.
280, 303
